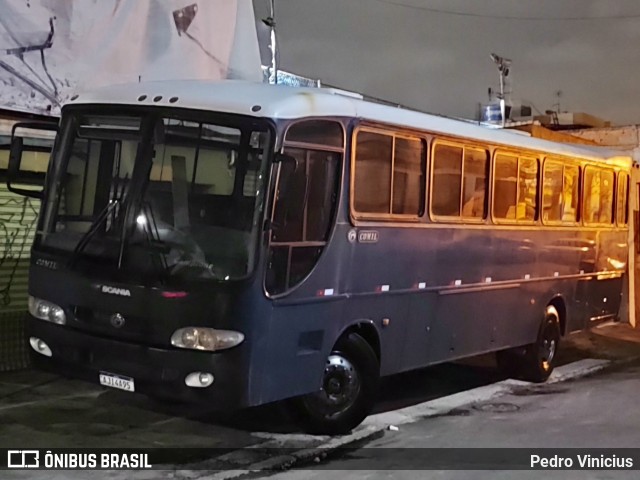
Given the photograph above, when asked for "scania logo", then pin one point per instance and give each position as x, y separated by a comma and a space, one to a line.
123, 292
117, 320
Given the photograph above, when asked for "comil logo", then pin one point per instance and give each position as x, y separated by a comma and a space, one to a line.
23, 459
123, 292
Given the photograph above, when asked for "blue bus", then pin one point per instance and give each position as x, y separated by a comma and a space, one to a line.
239, 244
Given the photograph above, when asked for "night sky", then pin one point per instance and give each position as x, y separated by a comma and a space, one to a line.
433, 55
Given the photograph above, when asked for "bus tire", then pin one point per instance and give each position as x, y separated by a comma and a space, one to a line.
539, 357
534, 362
348, 393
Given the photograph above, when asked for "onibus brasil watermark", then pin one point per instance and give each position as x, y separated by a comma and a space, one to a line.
47, 459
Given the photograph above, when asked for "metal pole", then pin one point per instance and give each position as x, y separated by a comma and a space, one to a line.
273, 77
502, 102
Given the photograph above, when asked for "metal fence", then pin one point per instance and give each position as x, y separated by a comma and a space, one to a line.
13, 347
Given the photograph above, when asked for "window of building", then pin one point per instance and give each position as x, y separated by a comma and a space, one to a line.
515, 188
389, 174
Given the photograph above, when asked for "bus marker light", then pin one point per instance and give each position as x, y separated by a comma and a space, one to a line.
385, 322
40, 346
327, 292
556, 274
487, 280
422, 285
527, 276
457, 283
198, 379
174, 294
383, 288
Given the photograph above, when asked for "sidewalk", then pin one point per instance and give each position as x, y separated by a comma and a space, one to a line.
616, 342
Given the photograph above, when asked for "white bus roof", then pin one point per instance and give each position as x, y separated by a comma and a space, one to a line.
284, 102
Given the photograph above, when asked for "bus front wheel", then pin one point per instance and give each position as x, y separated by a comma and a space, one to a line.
535, 361
348, 392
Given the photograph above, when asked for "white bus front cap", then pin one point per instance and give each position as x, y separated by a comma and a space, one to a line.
203, 338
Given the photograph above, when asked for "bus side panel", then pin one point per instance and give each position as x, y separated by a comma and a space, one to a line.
293, 361
601, 294
415, 351
301, 338
474, 322
389, 314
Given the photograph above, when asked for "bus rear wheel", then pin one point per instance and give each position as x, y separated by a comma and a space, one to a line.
534, 362
349, 387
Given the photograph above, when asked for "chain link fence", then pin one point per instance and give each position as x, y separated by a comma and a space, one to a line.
13, 346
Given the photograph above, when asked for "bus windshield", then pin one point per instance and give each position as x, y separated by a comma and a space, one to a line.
158, 195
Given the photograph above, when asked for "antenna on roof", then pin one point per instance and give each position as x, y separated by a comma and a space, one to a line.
503, 70
270, 22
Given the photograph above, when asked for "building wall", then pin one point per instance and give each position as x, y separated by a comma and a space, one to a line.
626, 138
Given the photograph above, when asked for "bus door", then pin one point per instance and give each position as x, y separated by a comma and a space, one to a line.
302, 220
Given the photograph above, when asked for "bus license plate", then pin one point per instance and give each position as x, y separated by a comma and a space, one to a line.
117, 381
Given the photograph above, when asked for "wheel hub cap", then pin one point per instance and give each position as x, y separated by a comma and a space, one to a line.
340, 386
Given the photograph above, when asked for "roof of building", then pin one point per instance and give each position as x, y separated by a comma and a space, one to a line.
284, 102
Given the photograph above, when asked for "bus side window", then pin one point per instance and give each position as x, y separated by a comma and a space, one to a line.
515, 188
527, 189
459, 181
388, 177
474, 183
552, 192
306, 202
570, 193
372, 176
606, 192
598, 195
408, 176
622, 199
505, 187
447, 175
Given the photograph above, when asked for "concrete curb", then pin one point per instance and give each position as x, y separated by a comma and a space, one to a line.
375, 425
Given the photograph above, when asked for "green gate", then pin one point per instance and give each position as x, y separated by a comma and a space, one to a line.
18, 217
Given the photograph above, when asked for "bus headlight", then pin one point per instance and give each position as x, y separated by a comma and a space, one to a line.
209, 339
46, 311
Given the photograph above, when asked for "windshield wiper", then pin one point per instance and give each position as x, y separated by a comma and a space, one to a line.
95, 226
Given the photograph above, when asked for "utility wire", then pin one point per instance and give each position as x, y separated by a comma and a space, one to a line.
442, 11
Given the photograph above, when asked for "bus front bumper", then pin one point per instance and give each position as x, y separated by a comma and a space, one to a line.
156, 372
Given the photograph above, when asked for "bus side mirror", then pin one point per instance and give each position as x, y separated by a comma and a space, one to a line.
14, 172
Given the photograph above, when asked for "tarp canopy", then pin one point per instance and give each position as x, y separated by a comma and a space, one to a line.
51, 49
